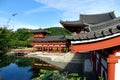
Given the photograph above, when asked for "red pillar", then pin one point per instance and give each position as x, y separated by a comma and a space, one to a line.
47, 48
42, 48
54, 49
111, 60
60, 49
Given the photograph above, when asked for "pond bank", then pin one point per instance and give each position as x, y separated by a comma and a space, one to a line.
73, 63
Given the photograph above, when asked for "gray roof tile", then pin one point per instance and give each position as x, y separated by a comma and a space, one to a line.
96, 34
115, 29
49, 38
97, 18
106, 32
39, 30
83, 37
106, 24
90, 35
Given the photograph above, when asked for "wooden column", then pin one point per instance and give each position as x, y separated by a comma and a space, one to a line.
60, 49
51, 49
111, 61
48, 48
66, 49
42, 47
54, 49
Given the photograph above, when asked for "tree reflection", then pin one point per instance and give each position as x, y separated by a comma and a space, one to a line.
21, 62
4, 60
24, 62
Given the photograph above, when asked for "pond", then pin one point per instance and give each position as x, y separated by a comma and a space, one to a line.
12, 68
18, 68
14, 72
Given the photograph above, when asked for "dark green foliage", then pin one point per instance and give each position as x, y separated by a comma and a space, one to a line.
56, 75
10, 39
21, 62
57, 31
5, 38
101, 78
21, 37
22, 34
4, 60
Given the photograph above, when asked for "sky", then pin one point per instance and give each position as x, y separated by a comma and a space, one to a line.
36, 14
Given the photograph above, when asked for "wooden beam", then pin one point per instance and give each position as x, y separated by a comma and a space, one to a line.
84, 47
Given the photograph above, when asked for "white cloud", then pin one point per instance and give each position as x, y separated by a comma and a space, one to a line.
15, 24
36, 10
72, 8
57, 25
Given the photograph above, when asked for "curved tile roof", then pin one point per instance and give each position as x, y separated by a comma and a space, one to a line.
96, 35
101, 30
90, 19
105, 24
49, 38
39, 31
97, 18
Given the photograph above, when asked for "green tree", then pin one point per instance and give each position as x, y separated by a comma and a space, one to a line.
5, 38
22, 35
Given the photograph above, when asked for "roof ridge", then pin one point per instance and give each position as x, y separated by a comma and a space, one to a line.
106, 24
98, 13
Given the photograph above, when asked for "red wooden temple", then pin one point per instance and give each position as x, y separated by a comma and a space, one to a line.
99, 35
50, 44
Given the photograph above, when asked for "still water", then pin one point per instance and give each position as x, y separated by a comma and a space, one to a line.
14, 72
12, 68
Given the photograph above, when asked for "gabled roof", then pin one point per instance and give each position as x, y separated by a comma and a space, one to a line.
91, 19
49, 38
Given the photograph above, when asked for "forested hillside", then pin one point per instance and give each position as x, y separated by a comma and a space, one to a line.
56, 31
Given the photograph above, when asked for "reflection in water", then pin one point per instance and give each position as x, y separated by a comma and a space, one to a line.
13, 72
12, 68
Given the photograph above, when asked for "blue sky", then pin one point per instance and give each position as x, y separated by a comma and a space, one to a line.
48, 13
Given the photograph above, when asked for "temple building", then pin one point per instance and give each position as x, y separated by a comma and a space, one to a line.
99, 35
96, 34
49, 44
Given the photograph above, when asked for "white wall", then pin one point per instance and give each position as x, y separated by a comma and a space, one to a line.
117, 70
